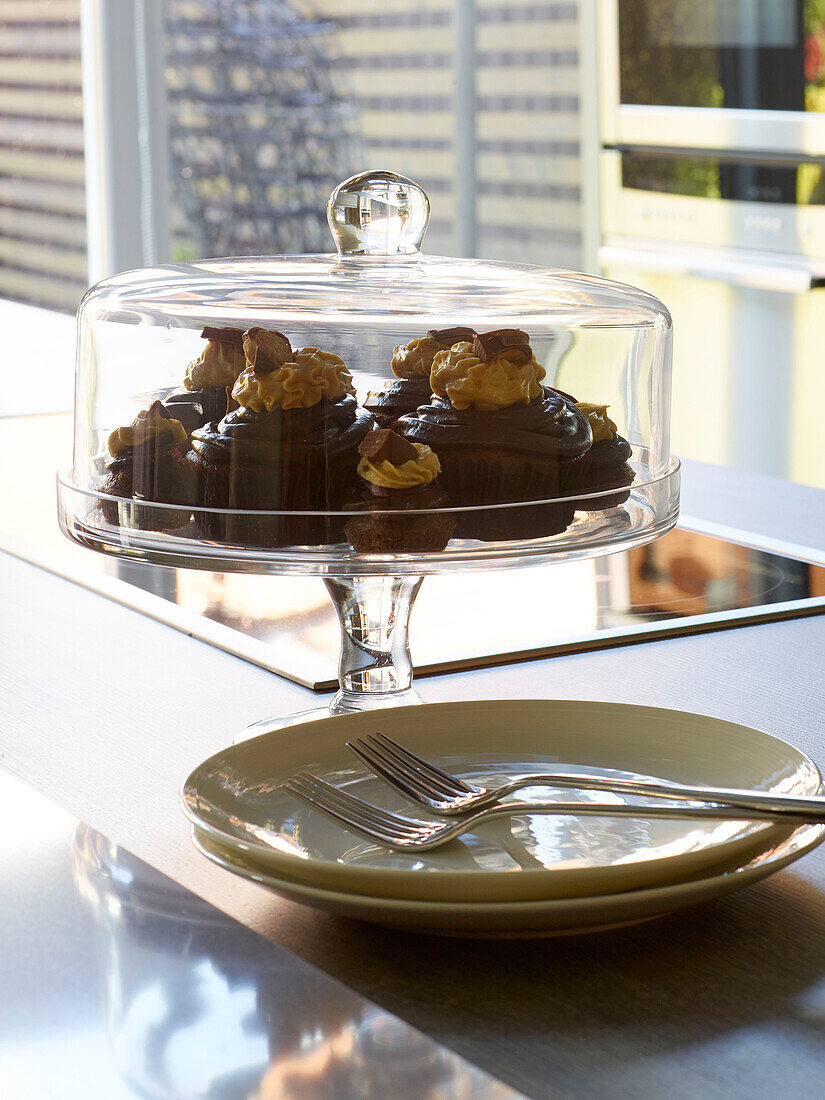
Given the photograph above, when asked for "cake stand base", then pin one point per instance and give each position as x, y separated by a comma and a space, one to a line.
314, 714
375, 670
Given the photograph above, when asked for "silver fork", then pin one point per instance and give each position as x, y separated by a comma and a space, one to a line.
411, 833
449, 796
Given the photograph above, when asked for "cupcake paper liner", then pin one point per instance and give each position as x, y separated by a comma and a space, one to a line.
472, 477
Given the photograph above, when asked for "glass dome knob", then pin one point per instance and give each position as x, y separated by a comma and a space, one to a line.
378, 214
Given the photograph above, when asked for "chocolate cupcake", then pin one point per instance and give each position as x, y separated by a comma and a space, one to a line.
502, 438
203, 397
399, 497
148, 463
290, 446
411, 365
604, 466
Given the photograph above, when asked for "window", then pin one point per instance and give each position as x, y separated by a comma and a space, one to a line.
267, 105
42, 200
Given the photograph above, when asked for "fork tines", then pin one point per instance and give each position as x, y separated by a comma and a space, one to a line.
353, 812
404, 768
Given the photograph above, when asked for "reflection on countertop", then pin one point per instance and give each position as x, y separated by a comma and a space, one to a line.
198, 1006
194, 1005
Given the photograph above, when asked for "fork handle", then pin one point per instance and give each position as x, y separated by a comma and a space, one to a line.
704, 812
443, 834
799, 807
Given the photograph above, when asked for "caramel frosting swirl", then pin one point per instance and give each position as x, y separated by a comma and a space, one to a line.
219, 364
459, 375
415, 359
415, 471
601, 424
149, 424
310, 376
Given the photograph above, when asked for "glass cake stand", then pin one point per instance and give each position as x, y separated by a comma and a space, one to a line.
378, 290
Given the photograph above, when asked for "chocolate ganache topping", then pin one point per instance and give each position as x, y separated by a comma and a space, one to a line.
314, 435
398, 397
550, 424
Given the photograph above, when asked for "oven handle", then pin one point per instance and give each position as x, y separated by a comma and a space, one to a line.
782, 278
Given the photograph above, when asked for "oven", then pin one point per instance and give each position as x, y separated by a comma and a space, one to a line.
746, 202
734, 245
712, 197
714, 74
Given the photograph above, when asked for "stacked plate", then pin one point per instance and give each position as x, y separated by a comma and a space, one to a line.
523, 876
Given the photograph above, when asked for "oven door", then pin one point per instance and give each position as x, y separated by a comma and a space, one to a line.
748, 340
715, 201
714, 74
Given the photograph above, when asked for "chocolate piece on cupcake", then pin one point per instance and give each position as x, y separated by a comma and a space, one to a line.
411, 364
148, 463
604, 466
399, 497
385, 445
265, 350
501, 436
290, 446
510, 344
203, 397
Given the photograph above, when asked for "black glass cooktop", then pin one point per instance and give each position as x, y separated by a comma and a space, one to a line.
684, 583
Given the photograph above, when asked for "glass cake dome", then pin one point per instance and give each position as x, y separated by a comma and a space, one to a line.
374, 413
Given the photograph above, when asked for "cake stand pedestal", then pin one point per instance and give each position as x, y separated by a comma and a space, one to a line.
375, 669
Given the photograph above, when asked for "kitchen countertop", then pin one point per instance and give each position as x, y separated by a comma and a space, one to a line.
105, 711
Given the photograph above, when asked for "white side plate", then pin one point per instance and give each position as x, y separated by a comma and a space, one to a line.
527, 918
234, 797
